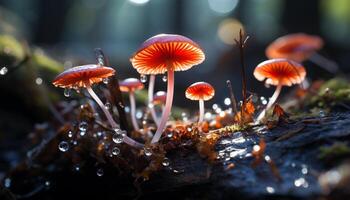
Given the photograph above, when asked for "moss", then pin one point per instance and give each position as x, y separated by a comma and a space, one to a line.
11, 50
46, 63
334, 151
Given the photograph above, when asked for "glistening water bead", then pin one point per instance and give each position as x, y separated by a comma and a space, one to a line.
105, 81
108, 106
67, 92
143, 78
115, 151
147, 151
118, 138
164, 78
3, 71
166, 162
83, 126
63, 146
100, 172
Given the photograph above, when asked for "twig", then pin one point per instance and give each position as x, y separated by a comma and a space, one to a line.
113, 87
241, 45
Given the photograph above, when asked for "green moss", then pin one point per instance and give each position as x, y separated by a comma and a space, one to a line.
45, 63
334, 151
11, 50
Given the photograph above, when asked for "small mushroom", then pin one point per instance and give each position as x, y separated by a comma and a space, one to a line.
159, 98
130, 85
200, 91
166, 53
300, 47
279, 72
84, 77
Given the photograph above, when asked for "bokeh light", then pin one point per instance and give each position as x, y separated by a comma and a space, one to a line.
228, 30
222, 6
139, 2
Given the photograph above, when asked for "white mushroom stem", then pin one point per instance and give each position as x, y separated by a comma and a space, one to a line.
110, 119
201, 110
150, 99
271, 102
325, 63
168, 104
133, 110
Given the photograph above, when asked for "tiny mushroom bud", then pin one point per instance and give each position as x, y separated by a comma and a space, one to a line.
279, 72
130, 85
300, 47
84, 77
166, 53
159, 98
200, 91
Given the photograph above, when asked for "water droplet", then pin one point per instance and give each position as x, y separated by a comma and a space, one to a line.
227, 101
39, 81
63, 146
189, 129
3, 71
164, 78
143, 78
108, 106
7, 182
67, 92
166, 162
70, 134
77, 168
47, 184
83, 126
147, 151
115, 151
322, 113
270, 189
139, 114
100, 172
300, 182
170, 134
105, 81
82, 133
118, 138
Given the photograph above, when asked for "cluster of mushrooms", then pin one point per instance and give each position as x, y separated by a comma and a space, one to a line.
167, 53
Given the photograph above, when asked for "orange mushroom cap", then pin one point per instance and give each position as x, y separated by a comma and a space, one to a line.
81, 75
130, 84
280, 71
160, 51
200, 90
298, 47
159, 97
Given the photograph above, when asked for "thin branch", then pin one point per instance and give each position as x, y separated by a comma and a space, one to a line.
116, 95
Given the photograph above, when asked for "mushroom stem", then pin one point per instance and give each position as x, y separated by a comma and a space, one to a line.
201, 110
102, 106
150, 99
325, 63
168, 104
133, 110
271, 102
110, 119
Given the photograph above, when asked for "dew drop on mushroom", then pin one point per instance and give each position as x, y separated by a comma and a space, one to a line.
63, 146
143, 78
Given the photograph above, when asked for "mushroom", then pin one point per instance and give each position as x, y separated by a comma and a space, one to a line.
160, 99
200, 91
166, 53
300, 47
279, 72
84, 77
130, 85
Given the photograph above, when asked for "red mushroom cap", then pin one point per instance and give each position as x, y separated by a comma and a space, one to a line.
160, 51
280, 71
81, 75
200, 91
297, 47
159, 97
130, 84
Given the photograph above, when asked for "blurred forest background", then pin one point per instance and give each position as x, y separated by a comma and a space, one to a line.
68, 31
